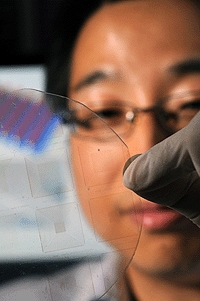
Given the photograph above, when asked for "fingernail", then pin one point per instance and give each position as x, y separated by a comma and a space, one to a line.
129, 161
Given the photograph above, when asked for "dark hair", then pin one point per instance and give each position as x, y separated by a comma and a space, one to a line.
68, 21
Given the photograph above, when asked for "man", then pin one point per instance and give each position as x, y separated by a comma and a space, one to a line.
141, 57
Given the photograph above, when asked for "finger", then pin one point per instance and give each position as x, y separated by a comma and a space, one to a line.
162, 164
166, 174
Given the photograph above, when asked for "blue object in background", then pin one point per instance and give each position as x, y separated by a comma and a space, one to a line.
25, 122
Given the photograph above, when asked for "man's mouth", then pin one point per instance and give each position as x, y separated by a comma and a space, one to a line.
153, 216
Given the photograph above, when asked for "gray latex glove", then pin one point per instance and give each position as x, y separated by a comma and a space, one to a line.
169, 173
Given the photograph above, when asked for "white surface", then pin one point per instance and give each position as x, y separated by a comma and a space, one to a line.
16, 77
40, 217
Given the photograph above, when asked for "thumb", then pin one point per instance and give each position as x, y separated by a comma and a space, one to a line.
166, 174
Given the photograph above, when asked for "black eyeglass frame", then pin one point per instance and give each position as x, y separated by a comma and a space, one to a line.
69, 117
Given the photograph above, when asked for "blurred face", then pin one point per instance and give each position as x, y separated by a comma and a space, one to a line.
135, 54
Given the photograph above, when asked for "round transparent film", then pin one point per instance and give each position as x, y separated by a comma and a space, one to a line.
62, 196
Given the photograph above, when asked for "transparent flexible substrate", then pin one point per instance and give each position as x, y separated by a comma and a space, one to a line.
62, 196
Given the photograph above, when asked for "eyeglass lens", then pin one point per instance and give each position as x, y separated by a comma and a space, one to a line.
173, 113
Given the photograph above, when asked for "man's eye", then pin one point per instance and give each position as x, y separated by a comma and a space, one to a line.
109, 113
91, 122
193, 105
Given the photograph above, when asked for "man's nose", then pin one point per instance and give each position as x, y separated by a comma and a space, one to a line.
146, 133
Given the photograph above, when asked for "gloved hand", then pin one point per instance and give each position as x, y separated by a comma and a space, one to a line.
169, 173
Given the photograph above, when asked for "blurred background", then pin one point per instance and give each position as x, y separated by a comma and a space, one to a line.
29, 202
25, 27
26, 30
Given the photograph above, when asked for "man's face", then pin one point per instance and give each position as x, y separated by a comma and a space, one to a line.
137, 53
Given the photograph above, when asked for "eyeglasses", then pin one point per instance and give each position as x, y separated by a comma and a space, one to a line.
100, 122
172, 114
